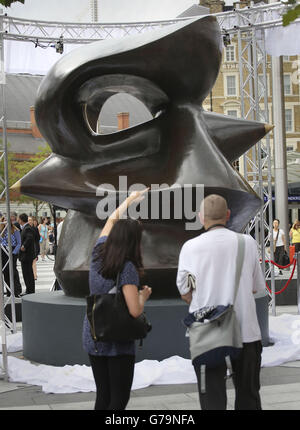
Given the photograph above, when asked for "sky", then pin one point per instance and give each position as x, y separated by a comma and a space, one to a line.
108, 10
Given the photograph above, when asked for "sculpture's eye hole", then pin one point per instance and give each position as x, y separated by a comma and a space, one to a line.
102, 98
119, 112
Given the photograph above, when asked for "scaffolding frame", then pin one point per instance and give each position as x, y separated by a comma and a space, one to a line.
254, 106
5, 322
248, 24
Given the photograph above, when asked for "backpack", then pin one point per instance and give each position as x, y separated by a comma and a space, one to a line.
214, 332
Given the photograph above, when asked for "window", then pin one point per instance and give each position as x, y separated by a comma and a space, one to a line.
287, 84
231, 85
286, 58
288, 120
232, 113
230, 53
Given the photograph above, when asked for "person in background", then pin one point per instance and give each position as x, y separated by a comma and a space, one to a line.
279, 243
14, 220
33, 224
27, 253
51, 239
295, 235
117, 251
56, 286
59, 228
16, 245
43, 231
17, 282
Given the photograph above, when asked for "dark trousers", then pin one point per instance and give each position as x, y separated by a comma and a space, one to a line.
17, 283
245, 378
278, 254
113, 377
297, 246
28, 276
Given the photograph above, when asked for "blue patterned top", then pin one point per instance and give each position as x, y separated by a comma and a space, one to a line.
100, 285
15, 241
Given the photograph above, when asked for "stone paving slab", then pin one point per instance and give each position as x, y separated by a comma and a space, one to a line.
283, 395
10, 386
276, 397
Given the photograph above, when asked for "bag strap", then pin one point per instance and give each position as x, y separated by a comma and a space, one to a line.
275, 241
117, 284
239, 262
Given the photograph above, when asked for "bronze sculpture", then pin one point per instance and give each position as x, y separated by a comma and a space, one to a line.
171, 71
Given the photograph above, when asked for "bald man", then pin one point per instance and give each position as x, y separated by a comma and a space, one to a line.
211, 258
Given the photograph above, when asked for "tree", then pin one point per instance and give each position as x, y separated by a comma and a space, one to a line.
18, 169
293, 12
7, 3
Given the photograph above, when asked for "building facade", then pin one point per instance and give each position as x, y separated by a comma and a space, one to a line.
225, 98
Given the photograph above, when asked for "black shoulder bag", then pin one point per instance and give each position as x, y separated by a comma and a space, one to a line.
110, 320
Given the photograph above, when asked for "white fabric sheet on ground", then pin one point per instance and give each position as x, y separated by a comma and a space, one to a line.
284, 331
14, 342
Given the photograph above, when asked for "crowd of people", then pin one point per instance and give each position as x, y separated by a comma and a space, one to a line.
31, 239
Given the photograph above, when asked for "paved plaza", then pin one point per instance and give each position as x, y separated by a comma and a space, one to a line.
280, 386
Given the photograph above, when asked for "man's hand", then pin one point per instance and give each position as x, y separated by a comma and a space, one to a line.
22, 248
187, 297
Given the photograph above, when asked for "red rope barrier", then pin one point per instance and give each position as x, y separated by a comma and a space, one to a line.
280, 267
289, 280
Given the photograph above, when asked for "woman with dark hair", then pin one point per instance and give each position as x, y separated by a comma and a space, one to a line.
117, 251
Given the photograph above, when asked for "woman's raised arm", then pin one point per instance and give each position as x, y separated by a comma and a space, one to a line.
135, 196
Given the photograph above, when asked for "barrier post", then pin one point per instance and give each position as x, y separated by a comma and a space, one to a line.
297, 256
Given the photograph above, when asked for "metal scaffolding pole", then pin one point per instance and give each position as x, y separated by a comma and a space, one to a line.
254, 106
10, 300
4, 367
30, 30
279, 146
94, 10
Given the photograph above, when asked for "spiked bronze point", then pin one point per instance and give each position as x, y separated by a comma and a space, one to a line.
17, 186
269, 127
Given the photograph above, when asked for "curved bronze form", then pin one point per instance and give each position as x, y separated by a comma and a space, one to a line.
171, 71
